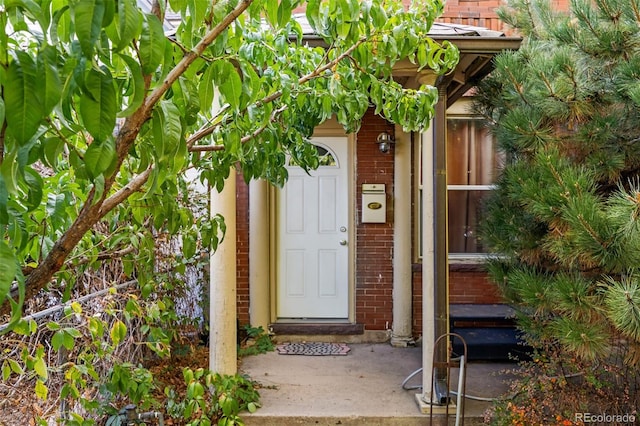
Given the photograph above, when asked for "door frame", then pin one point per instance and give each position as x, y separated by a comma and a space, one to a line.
331, 130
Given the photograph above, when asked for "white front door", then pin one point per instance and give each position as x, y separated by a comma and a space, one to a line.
313, 249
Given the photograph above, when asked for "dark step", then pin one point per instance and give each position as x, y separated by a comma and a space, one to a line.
316, 328
478, 313
490, 344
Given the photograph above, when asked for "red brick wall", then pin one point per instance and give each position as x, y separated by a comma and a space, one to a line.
416, 282
242, 249
471, 286
479, 13
466, 285
374, 241
374, 247
482, 13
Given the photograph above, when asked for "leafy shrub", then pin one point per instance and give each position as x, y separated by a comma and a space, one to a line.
260, 342
552, 389
212, 398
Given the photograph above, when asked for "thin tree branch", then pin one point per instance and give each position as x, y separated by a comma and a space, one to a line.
207, 131
131, 127
157, 10
57, 308
105, 256
245, 139
3, 132
206, 148
191, 56
132, 186
133, 123
94, 210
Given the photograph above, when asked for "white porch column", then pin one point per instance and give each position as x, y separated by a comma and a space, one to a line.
222, 306
402, 286
428, 265
259, 254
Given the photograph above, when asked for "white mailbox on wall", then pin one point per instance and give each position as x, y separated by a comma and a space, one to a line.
374, 203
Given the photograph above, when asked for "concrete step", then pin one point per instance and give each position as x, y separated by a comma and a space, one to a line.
422, 420
365, 387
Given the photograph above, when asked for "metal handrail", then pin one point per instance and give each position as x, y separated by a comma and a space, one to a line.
461, 363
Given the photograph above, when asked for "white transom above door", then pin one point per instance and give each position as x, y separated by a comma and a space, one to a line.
313, 231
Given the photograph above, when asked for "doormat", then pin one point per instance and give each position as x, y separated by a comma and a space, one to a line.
313, 348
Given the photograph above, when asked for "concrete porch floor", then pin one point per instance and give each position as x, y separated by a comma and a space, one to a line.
361, 388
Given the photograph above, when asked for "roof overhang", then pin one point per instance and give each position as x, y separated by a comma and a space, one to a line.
476, 61
477, 46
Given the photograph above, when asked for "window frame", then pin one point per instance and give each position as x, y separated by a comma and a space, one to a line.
458, 111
